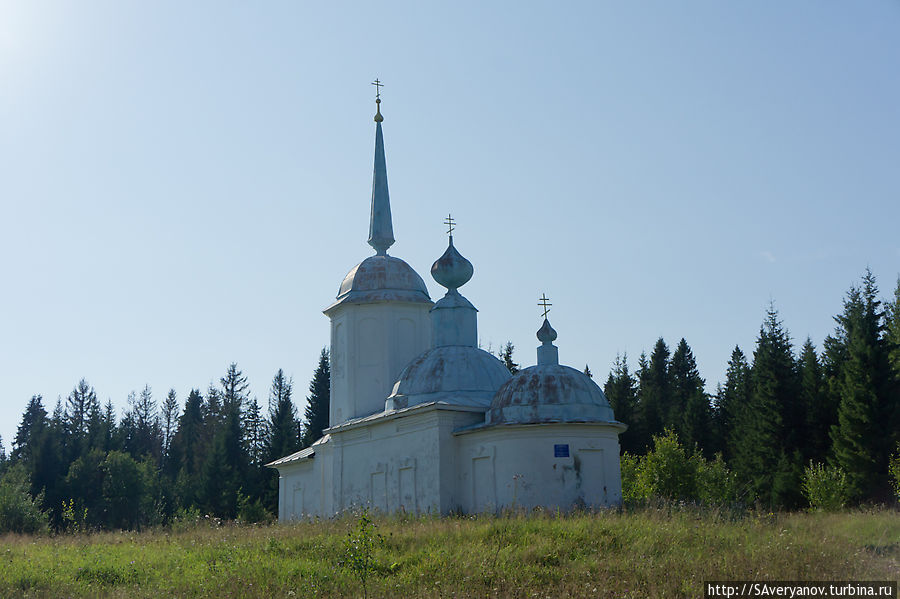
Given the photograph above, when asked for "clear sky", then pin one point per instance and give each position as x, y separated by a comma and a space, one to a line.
184, 184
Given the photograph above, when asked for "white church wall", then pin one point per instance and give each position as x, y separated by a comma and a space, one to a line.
550, 465
391, 466
370, 345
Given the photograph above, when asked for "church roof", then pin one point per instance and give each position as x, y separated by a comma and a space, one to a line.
549, 392
380, 278
303, 454
458, 374
454, 370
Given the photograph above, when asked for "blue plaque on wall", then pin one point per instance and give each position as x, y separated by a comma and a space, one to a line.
561, 451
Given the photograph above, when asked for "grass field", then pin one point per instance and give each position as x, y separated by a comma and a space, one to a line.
645, 553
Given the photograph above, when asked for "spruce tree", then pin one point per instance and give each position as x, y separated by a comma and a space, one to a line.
639, 426
892, 340
34, 421
186, 450
863, 436
621, 392
819, 412
283, 426
731, 403
656, 393
168, 421
506, 356
318, 402
766, 453
689, 412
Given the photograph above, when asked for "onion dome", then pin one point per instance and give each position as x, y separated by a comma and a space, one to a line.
452, 270
454, 370
549, 392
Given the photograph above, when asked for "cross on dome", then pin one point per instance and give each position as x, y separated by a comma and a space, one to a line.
378, 85
450, 225
544, 302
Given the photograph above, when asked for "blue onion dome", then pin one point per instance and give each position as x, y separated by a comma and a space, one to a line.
546, 334
452, 270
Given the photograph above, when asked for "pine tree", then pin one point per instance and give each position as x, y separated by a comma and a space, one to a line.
587, 371
506, 356
731, 403
318, 402
689, 412
621, 392
863, 436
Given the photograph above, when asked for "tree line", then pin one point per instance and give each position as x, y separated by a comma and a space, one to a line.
78, 466
784, 416
783, 421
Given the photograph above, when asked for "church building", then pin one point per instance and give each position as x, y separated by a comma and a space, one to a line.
424, 421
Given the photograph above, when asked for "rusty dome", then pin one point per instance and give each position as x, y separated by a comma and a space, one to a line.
454, 374
549, 393
381, 278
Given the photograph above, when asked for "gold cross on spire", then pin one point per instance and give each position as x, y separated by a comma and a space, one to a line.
450, 225
378, 85
545, 304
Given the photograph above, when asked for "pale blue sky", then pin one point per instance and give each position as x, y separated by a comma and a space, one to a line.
184, 185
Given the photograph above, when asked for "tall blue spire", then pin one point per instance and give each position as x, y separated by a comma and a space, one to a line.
381, 231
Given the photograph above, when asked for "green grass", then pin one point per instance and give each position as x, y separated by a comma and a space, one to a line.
645, 553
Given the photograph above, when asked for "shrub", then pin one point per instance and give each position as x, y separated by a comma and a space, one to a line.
252, 512
671, 472
894, 471
825, 487
359, 550
19, 512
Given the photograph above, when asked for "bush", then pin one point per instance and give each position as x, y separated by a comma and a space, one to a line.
252, 512
894, 471
19, 512
671, 472
825, 487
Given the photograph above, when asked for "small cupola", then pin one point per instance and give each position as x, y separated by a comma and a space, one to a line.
549, 392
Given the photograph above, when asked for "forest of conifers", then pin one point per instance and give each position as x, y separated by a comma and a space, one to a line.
783, 414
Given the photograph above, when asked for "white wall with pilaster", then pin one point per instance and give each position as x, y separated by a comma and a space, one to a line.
370, 345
